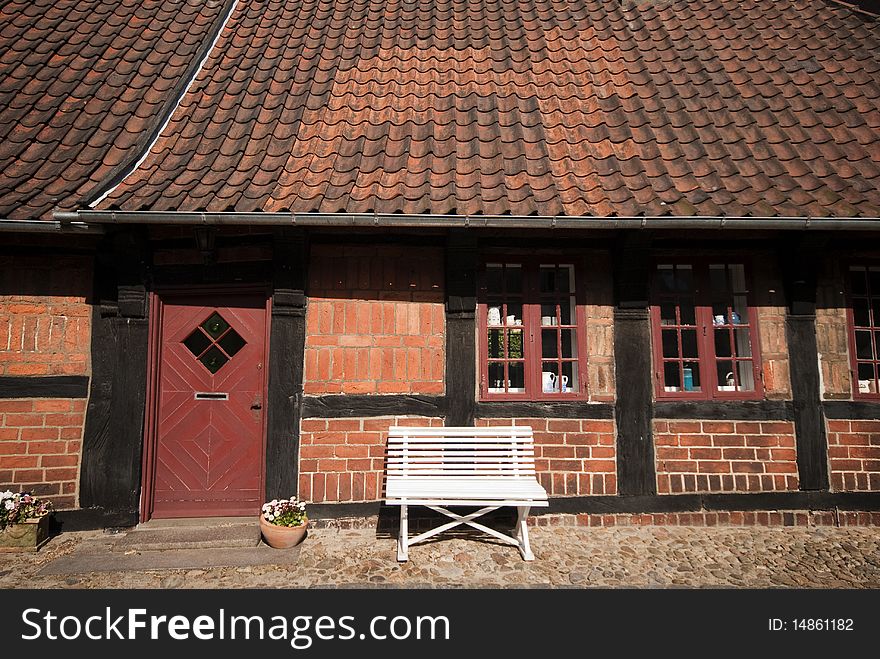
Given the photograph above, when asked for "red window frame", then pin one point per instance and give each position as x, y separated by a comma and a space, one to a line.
705, 326
872, 301
533, 331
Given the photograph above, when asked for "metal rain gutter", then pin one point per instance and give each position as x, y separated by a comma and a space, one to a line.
466, 221
48, 226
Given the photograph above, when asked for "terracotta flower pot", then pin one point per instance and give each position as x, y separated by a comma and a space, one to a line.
282, 537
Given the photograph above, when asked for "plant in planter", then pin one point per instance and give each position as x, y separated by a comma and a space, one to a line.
283, 522
24, 521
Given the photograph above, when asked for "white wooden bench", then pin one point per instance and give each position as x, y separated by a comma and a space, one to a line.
461, 466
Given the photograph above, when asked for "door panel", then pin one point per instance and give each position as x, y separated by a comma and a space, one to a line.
209, 430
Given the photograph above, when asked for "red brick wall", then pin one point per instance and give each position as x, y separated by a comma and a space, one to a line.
40, 447
45, 321
854, 455
375, 322
344, 459
725, 456
572, 456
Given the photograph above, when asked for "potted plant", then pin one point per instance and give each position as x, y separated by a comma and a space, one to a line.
283, 522
24, 521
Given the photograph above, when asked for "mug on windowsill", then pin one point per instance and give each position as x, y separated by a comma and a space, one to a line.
493, 317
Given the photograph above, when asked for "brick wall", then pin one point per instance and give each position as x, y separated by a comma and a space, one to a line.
344, 459
45, 320
854, 455
375, 322
40, 447
725, 456
572, 456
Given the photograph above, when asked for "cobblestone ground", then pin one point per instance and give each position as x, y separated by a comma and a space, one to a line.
629, 557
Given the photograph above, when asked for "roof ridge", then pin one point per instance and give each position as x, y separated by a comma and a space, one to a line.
856, 7
128, 166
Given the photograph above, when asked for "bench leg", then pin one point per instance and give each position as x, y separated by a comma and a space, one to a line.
521, 533
402, 537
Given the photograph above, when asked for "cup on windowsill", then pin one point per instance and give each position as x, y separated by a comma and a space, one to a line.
548, 321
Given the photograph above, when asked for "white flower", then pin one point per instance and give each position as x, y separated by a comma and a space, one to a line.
9, 505
6, 495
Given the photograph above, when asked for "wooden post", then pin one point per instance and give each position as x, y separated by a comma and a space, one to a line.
286, 359
110, 476
461, 305
800, 260
634, 405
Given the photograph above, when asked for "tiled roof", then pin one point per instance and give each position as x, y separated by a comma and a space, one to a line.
590, 107
82, 82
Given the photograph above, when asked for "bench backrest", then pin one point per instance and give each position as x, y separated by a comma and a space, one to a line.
461, 452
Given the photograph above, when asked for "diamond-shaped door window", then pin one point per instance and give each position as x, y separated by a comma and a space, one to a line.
214, 342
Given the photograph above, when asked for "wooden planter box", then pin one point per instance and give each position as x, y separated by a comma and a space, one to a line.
26, 536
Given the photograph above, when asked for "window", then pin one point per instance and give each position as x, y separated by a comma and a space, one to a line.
704, 332
532, 331
864, 329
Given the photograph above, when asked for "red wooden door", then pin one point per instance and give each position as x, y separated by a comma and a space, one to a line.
209, 426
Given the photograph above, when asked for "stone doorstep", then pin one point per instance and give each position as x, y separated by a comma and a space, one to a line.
162, 535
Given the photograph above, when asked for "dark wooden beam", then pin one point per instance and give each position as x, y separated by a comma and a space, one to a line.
800, 258
356, 405
633, 410
110, 476
861, 410
49, 386
529, 410
745, 410
461, 306
286, 359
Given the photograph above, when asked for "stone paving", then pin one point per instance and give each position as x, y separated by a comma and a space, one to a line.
580, 557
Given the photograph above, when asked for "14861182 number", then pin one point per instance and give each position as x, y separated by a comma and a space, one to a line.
822, 624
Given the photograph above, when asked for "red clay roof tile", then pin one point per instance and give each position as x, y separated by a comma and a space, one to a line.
468, 106
80, 82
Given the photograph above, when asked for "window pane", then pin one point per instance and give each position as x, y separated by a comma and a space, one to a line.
720, 314
514, 314
569, 343
565, 279
496, 344
684, 279
666, 278
569, 378
726, 377
737, 278
496, 377
517, 377
874, 281
567, 312
722, 343
494, 274
867, 379
746, 375
493, 314
670, 343
548, 343
860, 312
690, 374
689, 343
548, 278
687, 312
513, 279
231, 342
863, 345
548, 315
667, 314
857, 281
742, 343
718, 281
671, 376
875, 311
739, 315
197, 342
876, 344
549, 377
515, 344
